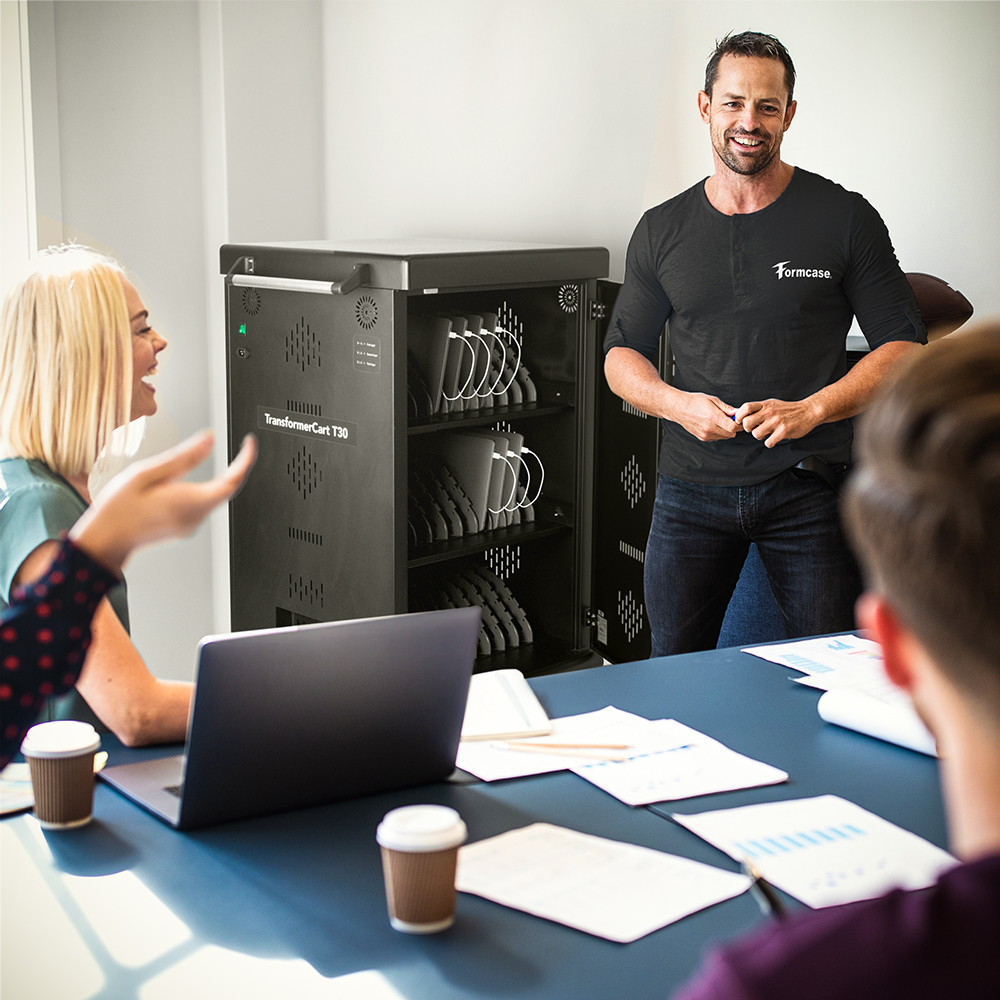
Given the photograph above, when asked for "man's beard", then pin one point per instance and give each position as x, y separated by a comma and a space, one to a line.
747, 166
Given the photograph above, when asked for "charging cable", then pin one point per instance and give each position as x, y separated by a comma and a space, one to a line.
513, 491
517, 364
461, 392
492, 390
541, 481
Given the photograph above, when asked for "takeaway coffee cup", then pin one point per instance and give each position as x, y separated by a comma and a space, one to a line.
419, 853
61, 758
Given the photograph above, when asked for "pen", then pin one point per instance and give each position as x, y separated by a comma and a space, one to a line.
763, 892
542, 748
573, 746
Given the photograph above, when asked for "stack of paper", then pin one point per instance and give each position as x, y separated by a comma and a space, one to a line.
502, 706
664, 759
860, 696
823, 850
612, 890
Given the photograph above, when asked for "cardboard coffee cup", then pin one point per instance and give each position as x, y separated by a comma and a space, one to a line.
419, 853
61, 758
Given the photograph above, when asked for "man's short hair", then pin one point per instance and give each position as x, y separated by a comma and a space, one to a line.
750, 43
923, 508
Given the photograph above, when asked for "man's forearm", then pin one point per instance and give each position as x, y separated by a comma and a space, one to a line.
851, 394
637, 381
775, 420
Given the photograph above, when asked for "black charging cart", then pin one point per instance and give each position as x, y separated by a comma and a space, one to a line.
435, 429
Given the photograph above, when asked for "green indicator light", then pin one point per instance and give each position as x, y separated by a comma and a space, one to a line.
243, 329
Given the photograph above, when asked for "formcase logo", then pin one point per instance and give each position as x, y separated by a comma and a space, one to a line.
784, 271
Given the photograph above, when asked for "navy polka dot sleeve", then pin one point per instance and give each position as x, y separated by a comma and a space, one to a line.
44, 635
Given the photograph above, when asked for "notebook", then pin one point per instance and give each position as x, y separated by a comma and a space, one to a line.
292, 717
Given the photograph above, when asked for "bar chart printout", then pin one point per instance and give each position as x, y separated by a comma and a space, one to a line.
823, 850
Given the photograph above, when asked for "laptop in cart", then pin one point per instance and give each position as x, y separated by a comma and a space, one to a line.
292, 717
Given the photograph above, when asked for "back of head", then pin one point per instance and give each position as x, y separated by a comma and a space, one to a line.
923, 509
65, 360
752, 44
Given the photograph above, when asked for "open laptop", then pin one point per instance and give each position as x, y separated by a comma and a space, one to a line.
291, 717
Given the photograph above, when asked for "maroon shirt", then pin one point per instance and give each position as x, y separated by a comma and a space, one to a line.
44, 637
941, 943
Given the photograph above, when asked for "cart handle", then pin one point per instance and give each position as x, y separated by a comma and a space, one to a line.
359, 276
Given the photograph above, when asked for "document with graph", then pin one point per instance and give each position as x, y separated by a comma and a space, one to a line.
822, 850
674, 761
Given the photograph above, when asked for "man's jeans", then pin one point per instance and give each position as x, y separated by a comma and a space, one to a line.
699, 540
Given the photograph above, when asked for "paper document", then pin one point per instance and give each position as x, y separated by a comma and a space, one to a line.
894, 723
833, 662
822, 850
866, 699
502, 705
608, 725
666, 759
680, 764
617, 891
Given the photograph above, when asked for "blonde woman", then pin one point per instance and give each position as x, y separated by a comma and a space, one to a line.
76, 348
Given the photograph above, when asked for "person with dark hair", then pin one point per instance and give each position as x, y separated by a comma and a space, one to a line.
923, 511
759, 271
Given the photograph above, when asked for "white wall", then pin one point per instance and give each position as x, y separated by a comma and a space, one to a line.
128, 106
522, 120
561, 120
890, 103
161, 130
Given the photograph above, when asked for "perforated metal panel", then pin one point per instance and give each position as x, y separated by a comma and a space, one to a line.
625, 473
315, 530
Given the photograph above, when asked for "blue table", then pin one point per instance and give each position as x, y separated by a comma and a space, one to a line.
297, 898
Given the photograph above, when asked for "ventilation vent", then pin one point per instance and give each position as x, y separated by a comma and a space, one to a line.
305, 473
630, 613
569, 298
305, 591
366, 312
629, 408
310, 409
639, 555
504, 561
302, 346
251, 301
509, 321
633, 481
305, 536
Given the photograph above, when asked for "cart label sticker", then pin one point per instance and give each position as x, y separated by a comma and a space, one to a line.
368, 354
314, 428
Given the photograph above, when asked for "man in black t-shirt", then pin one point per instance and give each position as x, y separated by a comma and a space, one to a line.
759, 271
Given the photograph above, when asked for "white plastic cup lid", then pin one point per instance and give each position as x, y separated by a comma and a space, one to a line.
421, 828
60, 739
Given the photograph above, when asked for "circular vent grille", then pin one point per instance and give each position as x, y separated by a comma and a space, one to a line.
251, 301
569, 298
366, 312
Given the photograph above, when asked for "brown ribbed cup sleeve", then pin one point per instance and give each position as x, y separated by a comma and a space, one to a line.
63, 787
420, 886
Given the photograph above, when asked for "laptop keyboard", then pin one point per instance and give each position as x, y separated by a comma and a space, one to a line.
174, 789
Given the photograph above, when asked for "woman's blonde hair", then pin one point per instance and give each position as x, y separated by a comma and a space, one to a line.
65, 360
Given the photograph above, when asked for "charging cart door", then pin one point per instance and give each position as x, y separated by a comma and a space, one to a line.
626, 451
315, 531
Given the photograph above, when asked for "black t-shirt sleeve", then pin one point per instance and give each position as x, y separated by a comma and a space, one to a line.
642, 307
875, 284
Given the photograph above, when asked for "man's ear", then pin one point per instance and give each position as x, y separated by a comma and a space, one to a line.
876, 616
704, 106
789, 114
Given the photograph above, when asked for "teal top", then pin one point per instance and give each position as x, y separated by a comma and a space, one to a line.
36, 506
